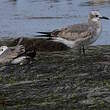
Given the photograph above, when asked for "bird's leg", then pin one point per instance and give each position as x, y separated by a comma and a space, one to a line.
83, 50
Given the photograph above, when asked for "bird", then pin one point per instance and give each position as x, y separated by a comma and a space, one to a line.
10, 53
16, 54
26, 56
94, 2
79, 35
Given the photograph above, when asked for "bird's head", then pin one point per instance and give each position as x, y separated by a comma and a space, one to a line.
2, 49
96, 16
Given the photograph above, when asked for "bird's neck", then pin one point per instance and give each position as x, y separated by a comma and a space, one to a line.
95, 23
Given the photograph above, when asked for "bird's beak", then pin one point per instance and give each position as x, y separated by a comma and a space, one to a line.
103, 17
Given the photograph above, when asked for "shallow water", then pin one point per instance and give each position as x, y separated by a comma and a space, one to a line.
26, 17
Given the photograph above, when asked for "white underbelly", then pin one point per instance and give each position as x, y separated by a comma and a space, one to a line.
68, 43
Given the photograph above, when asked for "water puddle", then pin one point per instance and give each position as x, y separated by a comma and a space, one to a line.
26, 17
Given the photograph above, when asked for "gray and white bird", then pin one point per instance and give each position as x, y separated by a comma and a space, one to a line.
79, 35
8, 54
16, 54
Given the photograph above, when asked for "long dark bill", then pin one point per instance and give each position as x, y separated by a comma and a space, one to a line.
103, 17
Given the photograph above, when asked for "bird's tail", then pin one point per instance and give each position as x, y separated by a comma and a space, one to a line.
45, 34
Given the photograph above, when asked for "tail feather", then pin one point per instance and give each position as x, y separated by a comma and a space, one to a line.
45, 34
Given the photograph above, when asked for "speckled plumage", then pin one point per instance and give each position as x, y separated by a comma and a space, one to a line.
10, 53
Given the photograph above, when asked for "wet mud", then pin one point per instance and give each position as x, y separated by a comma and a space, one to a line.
62, 80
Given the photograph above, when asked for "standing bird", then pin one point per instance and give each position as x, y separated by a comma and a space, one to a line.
79, 35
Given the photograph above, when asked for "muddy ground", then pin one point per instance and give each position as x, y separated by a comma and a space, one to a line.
59, 80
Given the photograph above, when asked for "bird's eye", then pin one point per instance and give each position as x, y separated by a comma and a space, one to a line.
96, 15
1, 49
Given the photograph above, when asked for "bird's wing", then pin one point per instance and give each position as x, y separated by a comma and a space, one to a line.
73, 32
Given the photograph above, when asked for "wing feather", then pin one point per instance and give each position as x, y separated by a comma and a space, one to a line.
73, 32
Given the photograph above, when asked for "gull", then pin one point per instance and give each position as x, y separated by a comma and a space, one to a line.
10, 53
15, 54
79, 35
